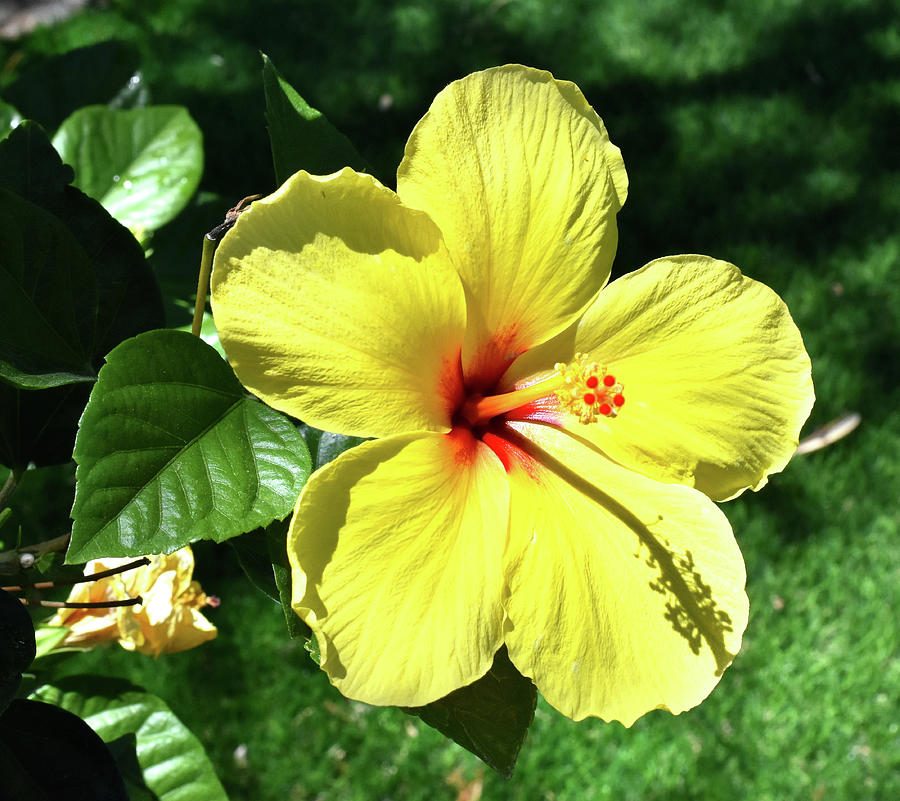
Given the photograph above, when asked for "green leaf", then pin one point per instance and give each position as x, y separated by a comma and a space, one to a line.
330, 446
171, 450
276, 536
263, 558
124, 752
48, 299
326, 446
47, 753
30, 167
52, 88
301, 137
9, 119
173, 762
252, 551
46, 638
128, 298
490, 717
142, 164
40, 426
17, 645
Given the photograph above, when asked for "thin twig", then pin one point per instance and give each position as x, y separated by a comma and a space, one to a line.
43, 585
9, 487
12, 561
86, 605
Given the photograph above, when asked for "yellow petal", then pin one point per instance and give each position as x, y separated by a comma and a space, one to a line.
518, 172
624, 597
716, 379
338, 305
396, 552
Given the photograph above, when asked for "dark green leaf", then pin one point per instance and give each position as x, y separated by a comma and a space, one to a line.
301, 137
172, 760
17, 645
128, 299
490, 717
40, 426
51, 89
330, 446
263, 557
48, 299
276, 535
124, 751
171, 449
252, 551
30, 167
142, 164
47, 753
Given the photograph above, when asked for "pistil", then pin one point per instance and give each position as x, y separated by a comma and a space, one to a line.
581, 388
480, 409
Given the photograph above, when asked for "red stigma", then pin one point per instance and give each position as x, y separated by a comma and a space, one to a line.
592, 382
608, 380
589, 398
619, 400
605, 408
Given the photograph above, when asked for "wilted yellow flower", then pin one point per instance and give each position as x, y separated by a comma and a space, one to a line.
167, 621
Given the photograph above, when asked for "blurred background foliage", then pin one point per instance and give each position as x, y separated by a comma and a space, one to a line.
766, 133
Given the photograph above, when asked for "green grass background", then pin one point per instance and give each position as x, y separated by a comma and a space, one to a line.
765, 133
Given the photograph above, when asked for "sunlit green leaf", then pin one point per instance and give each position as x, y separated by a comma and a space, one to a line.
173, 762
142, 164
47, 638
490, 717
301, 137
9, 119
171, 449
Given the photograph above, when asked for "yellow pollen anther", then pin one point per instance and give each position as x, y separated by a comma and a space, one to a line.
590, 392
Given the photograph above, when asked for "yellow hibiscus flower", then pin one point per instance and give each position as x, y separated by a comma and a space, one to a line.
547, 452
167, 621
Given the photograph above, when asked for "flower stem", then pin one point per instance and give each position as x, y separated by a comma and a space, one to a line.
210, 241
206, 260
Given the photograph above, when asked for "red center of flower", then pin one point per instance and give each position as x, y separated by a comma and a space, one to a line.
581, 388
